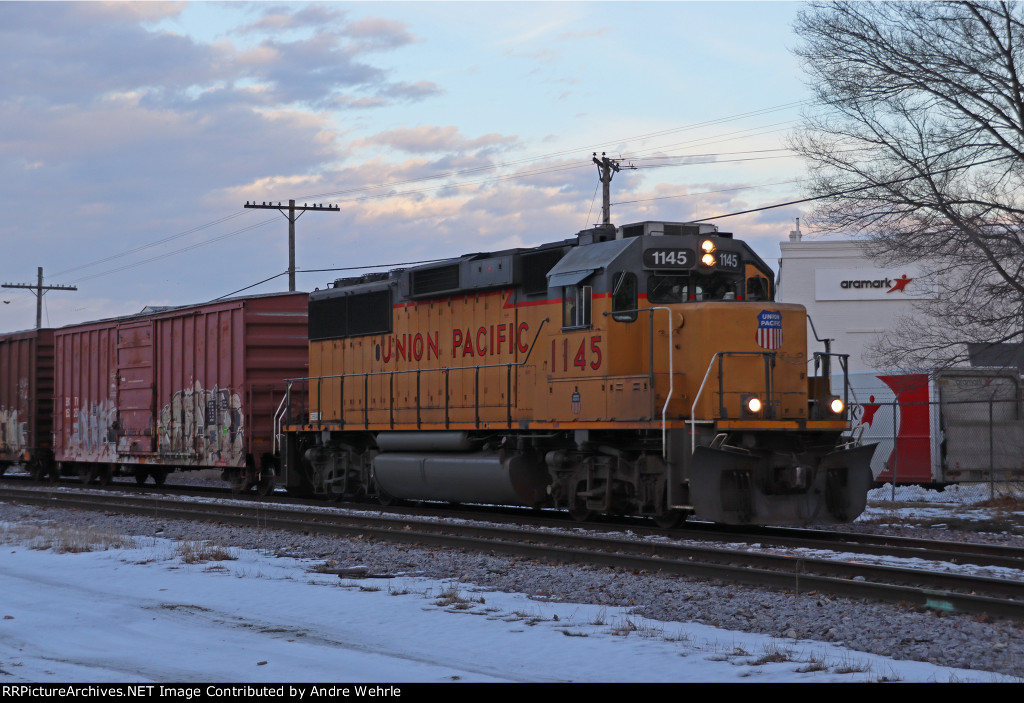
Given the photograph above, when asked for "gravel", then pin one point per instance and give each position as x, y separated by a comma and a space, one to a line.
961, 641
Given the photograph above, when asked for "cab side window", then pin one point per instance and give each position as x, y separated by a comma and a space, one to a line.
757, 288
624, 297
576, 302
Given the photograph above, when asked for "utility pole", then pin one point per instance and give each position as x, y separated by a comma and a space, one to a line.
292, 216
37, 290
606, 168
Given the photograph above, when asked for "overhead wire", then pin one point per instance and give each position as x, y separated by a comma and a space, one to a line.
364, 190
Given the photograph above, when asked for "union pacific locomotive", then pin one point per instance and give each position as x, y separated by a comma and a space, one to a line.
640, 370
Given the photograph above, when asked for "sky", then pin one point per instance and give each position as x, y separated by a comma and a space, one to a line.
257, 617
134, 133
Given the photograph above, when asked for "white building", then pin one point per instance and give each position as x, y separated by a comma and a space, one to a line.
850, 297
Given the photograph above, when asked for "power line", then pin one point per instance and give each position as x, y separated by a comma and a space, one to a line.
343, 268
860, 188
706, 192
158, 242
563, 152
439, 176
179, 251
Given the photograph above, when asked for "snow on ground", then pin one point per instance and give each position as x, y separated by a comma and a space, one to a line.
150, 612
954, 501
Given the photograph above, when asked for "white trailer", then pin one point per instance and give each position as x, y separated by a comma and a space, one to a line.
941, 426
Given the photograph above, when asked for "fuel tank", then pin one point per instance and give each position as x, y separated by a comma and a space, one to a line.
479, 477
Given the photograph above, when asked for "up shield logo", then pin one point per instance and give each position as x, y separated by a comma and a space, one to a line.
769, 330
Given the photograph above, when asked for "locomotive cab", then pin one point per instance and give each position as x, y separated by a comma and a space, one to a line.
692, 342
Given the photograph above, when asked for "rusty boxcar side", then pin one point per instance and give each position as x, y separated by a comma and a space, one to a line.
26, 399
188, 387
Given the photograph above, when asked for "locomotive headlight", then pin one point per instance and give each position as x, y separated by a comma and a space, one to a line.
707, 246
752, 405
708, 259
837, 406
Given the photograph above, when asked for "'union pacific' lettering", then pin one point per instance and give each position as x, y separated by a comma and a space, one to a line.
489, 340
409, 347
483, 341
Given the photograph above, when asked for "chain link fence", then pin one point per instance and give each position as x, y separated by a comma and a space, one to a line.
977, 442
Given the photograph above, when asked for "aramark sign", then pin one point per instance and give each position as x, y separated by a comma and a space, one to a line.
871, 284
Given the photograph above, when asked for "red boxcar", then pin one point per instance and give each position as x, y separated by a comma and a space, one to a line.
189, 387
26, 400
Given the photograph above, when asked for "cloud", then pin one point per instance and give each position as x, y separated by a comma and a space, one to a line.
374, 34
412, 91
589, 34
433, 139
277, 18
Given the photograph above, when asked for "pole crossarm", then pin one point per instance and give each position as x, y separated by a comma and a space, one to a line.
38, 289
293, 212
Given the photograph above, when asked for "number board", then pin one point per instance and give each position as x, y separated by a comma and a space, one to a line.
728, 260
661, 258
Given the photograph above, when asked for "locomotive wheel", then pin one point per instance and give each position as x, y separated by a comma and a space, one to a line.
159, 476
579, 513
670, 519
385, 498
331, 493
141, 475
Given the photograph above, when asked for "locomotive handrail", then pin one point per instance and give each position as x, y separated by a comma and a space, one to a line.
843, 360
719, 356
442, 369
671, 368
821, 360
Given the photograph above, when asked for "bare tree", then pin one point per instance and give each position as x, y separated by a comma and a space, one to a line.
916, 144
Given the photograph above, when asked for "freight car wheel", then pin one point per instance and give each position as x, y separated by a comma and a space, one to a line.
159, 476
240, 484
140, 475
265, 484
104, 474
42, 467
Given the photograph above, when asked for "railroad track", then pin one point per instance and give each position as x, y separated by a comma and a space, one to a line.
955, 553
925, 587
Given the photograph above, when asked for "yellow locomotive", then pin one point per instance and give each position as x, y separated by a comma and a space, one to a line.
639, 370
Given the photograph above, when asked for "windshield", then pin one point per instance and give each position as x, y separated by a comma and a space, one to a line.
693, 287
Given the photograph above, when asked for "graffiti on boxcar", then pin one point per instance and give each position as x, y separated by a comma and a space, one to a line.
93, 427
13, 434
203, 426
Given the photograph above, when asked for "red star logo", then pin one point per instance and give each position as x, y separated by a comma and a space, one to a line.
901, 284
870, 408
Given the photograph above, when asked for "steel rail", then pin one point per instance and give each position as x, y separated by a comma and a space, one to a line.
995, 597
